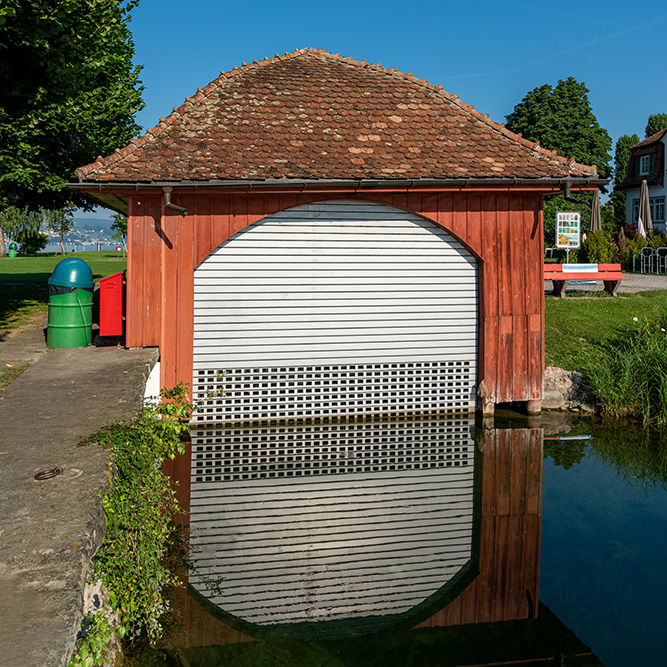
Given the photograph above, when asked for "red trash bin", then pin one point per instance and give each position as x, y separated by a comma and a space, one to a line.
112, 304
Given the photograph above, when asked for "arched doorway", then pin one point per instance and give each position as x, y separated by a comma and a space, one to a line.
334, 309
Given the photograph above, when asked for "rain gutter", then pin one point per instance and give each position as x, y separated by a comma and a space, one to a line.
116, 197
356, 184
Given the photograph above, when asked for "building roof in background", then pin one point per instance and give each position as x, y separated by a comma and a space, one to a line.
651, 140
313, 115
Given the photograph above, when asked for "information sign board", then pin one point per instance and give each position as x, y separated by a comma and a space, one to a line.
568, 228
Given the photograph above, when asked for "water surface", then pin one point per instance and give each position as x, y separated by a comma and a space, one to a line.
604, 543
600, 558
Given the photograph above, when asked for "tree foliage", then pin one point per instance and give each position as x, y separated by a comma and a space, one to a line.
621, 159
32, 240
13, 218
562, 119
68, 93
655, 123
60, 221
119, 229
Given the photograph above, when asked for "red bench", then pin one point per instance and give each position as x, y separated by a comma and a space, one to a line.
561, 274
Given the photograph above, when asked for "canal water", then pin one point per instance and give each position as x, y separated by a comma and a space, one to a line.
430, 542
604, 542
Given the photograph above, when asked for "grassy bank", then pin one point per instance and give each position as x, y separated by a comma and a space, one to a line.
576, 328
24, 292
620, 345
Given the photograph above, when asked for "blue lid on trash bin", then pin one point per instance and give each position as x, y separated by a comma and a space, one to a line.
73, 273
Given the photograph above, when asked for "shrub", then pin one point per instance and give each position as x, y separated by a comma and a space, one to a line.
33, 240
142, 547
562, 256
635, 244
630, 373
657, 240
598, 249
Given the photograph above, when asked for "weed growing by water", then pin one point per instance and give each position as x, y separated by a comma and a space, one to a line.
629, 375
136, 561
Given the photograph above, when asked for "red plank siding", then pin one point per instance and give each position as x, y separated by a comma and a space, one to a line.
509, 538
502, 229
143, 271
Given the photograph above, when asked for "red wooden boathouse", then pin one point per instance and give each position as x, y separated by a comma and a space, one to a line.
320, 237
310, 225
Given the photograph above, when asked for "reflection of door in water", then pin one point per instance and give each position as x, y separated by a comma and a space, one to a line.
349, 523
335, 308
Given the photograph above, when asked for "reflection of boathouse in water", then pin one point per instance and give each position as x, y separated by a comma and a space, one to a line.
407, 522
425, 524
317, 239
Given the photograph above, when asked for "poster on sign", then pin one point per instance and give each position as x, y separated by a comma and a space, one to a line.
568, 228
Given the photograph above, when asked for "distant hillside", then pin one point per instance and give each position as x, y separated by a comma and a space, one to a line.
87, 231
92, 224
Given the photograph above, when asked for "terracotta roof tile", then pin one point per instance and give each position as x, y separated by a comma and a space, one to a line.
313, 115
652, 139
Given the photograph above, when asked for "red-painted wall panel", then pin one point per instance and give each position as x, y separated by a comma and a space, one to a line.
503, 229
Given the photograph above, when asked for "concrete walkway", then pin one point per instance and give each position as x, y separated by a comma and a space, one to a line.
50, 529
24, 347
641, 282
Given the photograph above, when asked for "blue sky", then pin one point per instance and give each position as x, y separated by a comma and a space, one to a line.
489, 53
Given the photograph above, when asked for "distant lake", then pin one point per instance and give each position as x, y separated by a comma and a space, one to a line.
80, 247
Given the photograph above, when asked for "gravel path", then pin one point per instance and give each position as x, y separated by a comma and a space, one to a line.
640, 282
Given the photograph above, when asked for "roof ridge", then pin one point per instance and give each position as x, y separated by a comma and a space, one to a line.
468, 108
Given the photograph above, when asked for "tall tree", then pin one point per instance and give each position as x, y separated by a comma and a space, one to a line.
21, 224
562, 119
621, 159
61, 222
68, 92
655, 123
119, 229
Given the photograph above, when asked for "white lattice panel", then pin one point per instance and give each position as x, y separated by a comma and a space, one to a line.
269, 452
306, 392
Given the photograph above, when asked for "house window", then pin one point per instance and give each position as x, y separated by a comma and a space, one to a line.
644, 165
657, 205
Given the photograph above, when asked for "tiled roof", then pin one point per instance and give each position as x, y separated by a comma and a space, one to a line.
313, 115
652, 139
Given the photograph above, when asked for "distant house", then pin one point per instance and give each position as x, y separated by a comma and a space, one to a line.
647, 163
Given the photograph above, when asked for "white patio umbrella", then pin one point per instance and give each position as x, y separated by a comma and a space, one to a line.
644, 223
596, 214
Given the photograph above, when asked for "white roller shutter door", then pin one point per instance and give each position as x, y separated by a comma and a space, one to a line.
336, 308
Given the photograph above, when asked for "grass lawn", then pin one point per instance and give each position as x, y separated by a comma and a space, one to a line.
24, 291
573, 326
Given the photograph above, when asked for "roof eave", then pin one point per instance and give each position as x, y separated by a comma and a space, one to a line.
355, 183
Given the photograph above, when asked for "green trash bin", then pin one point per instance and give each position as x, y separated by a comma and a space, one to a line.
70, 304
11, 252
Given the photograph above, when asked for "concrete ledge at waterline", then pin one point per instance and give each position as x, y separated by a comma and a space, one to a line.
50, 529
